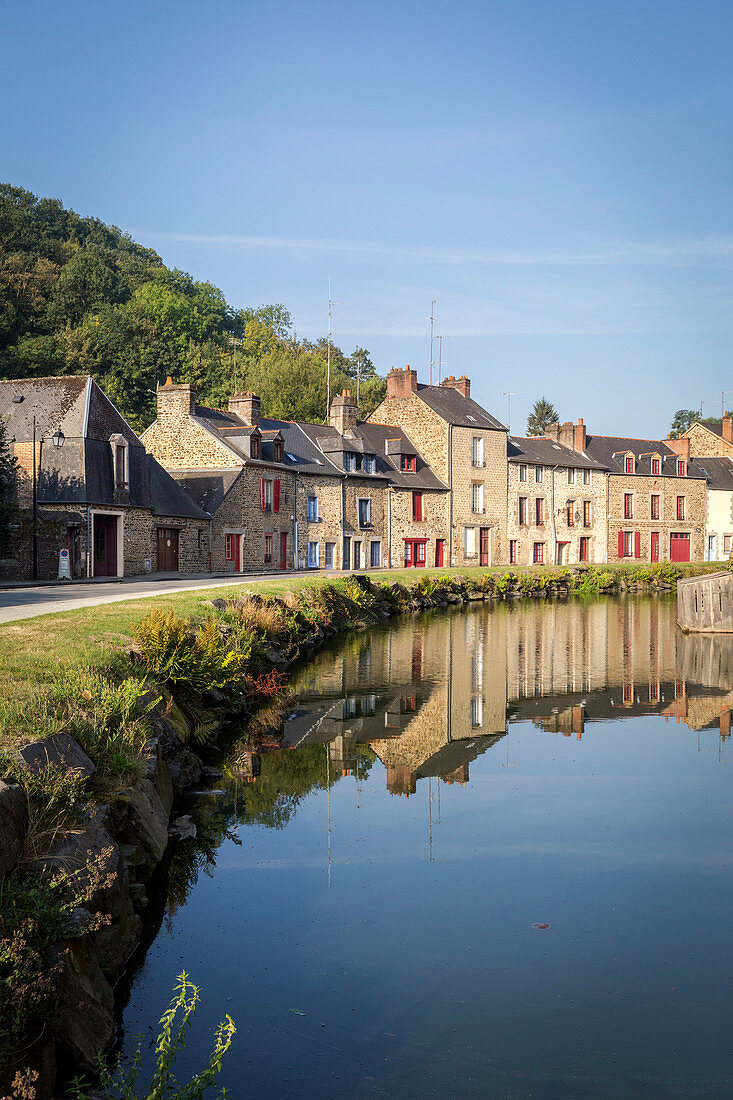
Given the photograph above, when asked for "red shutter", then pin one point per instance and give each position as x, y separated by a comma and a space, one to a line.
262, 493
637, 544
276, 495
620, 544
417, 506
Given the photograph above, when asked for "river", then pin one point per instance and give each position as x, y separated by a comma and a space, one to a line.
484, 852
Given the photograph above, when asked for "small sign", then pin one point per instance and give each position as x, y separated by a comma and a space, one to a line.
64, 566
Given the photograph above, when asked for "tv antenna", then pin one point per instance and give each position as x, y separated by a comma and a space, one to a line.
432, 322
331, 304
440, 340
509, 394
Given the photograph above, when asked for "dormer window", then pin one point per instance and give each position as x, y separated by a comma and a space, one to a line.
629, 464
656, 466
350, 460
278, 450
368, 464
681, 467
255, 451
120, 461
407, 464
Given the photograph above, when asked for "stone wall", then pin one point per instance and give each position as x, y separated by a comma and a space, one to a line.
179, 443
706, 444
493, 477
427, 430
327, 529
433, 526
556, 492
668, 488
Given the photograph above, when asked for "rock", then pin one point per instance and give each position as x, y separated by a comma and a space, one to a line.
473, 595
83, 1018
138, 895
182, 828
158, 772
13, 825
210, 772
60, 752
185, 769
275, 657
145, 825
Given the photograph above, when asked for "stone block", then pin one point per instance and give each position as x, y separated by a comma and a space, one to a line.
60, 751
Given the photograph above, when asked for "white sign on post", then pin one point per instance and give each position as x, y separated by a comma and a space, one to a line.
64, 566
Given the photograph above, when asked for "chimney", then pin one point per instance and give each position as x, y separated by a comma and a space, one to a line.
552, 431
680, 447
175, 401
727, 428
246, 405
580, 436
401, 383
344, 412
567, 434
462, 384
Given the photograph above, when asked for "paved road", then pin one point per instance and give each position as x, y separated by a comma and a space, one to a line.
25, 603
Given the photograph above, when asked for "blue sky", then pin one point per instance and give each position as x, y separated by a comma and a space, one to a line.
556, 174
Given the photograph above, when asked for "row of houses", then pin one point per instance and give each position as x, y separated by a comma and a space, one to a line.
430, 479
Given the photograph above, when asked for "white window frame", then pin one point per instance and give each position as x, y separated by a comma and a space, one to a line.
469, 542
522, 472
477, 497
314, 553
312, 512
368, 522
477, 450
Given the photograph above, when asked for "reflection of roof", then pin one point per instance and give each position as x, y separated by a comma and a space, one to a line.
452, 755
545, 452
610, 450
718, 471
207, 488
453, 407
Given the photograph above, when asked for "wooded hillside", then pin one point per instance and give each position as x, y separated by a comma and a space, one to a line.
81, 297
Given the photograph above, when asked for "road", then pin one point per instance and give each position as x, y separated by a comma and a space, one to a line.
26, 603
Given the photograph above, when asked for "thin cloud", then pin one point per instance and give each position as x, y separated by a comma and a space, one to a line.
670, 253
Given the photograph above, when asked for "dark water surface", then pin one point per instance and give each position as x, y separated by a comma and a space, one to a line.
367, 906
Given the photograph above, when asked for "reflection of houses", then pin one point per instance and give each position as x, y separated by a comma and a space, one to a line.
119, 512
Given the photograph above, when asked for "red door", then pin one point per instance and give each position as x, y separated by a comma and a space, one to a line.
439, 553
655, 546
679, 547
283, 550
237, 553
484, 555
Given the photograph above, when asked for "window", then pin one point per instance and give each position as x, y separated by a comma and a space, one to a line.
726, 544
368, 464
538, 553
270, 494
201, 541
522, 473
680, 507
120, 466
656, 466
587, 513
539, 475
313, 509
570, 512
254, 446
539, 511
349, 460
357, 554
229, 547
328, 555
522, 511
312, 555
512, 551
278, 449
268, 547
477, 497
584, 548
374, 556
680, 467
586, 477
420, 553
628, 505
477, 711
629, 544
346, 554
629, 464
365, 514
469, 542
571, 477
478, 451
417, 514
407, 464
655, 506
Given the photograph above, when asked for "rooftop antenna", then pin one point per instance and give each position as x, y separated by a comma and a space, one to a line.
723, 395
440, 340
432, 322
331, 304
233, 341
509, 394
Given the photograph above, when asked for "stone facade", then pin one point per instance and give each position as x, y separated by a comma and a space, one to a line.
640, 489
178, 441
704, 442
402, 526
583, 500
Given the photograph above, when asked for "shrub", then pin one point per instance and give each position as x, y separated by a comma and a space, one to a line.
188, 660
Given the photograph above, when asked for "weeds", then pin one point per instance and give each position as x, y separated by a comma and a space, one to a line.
186, 660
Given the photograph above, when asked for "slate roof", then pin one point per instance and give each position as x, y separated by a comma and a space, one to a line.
206, 488
545, 452
714, 426
454, 408
424, 476
167, 497
610, 449
55, 403
718, 471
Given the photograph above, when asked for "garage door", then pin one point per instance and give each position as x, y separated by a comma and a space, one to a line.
679, 547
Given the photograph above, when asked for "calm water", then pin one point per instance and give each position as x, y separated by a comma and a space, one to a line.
367, 906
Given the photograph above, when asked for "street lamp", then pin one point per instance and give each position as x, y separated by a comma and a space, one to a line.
57, 439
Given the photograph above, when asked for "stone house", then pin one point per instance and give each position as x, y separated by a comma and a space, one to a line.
466, 447
118, 512
719, 512
557, 501
714, 438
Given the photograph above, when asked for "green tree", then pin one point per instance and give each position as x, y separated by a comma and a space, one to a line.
685, 418
543, 414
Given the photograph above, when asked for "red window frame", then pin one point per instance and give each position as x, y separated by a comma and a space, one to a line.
255, 450
680, 467
655, 506
229, 547
407, 464
417, 512
539, 511
512, 551
629, 464
587, 515
584, 554
680, 507
571, 476
570, 510
416, 553
656, 466
522, 511
628, 505
538, 553
278, 451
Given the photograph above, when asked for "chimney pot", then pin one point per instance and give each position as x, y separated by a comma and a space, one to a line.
175, 400
401, 383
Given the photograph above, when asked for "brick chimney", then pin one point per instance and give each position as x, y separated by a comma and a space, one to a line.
568, 434
344, 412
727, 428
247, 406
175, 401
580, 436
401, 383
680, 447
462, 384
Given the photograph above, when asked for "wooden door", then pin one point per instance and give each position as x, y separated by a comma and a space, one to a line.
283, 550
439, 553
679, 547
167, 549
484, 547
105, 546
654, 556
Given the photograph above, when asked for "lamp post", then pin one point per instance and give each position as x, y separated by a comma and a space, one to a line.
58, 441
